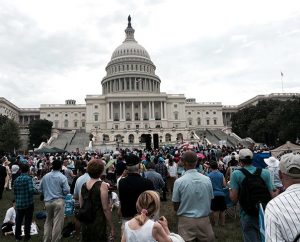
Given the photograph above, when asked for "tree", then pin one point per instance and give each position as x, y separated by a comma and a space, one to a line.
9, 135
39, 131
271, 121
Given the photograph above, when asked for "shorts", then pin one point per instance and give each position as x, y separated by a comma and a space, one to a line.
218, 204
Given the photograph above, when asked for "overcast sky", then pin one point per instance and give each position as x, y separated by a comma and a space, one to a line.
226, 51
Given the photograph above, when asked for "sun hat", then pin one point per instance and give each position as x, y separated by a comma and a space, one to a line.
271, 161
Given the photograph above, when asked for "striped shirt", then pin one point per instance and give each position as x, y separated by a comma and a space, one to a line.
23, 191
282, 216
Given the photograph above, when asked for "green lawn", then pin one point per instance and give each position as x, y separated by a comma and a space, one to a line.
230, 233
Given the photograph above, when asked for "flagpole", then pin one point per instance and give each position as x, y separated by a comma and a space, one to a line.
281, 81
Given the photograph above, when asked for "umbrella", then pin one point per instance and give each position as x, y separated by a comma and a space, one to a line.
200, 155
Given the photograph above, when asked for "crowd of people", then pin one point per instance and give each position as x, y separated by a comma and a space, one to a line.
135, 183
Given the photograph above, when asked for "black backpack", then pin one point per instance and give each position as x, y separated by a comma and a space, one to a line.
253, 191
86, 213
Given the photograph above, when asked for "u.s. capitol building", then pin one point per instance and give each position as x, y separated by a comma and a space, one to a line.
132, 110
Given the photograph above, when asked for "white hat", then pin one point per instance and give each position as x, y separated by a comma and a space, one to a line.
272, 161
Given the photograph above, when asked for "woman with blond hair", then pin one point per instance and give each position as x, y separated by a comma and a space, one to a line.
142, 228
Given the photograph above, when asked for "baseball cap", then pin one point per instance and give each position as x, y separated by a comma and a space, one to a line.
245, 154
290, 165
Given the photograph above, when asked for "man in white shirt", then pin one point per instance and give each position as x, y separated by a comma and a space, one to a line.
282, 220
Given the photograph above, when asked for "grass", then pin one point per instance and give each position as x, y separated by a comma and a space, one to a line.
230, 233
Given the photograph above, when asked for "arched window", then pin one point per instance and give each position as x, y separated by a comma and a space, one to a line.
131, 139
66, 123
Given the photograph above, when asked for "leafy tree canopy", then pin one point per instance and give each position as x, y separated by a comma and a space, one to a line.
9, 135
271, 121
39, 131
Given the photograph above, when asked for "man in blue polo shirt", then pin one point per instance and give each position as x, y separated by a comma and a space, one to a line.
192, 194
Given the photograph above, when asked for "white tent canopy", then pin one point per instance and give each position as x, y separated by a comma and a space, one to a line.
288, 147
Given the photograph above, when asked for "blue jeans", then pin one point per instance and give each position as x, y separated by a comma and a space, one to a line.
250, 228
20, 214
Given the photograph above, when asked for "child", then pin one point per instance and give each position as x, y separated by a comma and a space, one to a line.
9, 220
142, 228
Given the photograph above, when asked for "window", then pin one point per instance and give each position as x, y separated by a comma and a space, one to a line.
75, 124
83, 115
214, 112
48, 115
56, 124
215, 122
137, 126
75, 114
116, 126
96, 106
66, 115
66, 123
56, 115
207, 112
198, 121
96, 117
175, 105
82, 124
190, 122
189, 113
198, 112
146, 126
207, 121
128, 126
176, 116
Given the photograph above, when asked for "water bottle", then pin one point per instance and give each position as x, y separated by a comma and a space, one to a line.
69, 205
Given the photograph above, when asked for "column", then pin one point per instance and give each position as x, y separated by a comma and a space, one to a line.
132, 112
141, 108
161, 110
124, 114
112, 110
165, 110
153, 116
120, 113
120, 85
130, 87
107, 110
149, 115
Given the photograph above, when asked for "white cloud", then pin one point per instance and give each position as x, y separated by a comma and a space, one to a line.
225, 51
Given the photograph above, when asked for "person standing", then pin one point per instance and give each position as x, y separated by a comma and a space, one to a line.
218, 204
155, 177
55, 187
282, 221
97, 191
23, 191
162, 169
131, 187
248, 189
3, 175
191, 198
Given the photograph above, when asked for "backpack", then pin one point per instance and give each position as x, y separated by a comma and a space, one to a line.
86, 213
253, 191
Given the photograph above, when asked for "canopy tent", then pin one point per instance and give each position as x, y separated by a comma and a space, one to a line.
45, 150
288, 147
57, 150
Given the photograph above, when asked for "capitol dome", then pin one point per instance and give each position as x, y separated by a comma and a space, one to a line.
130, 68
